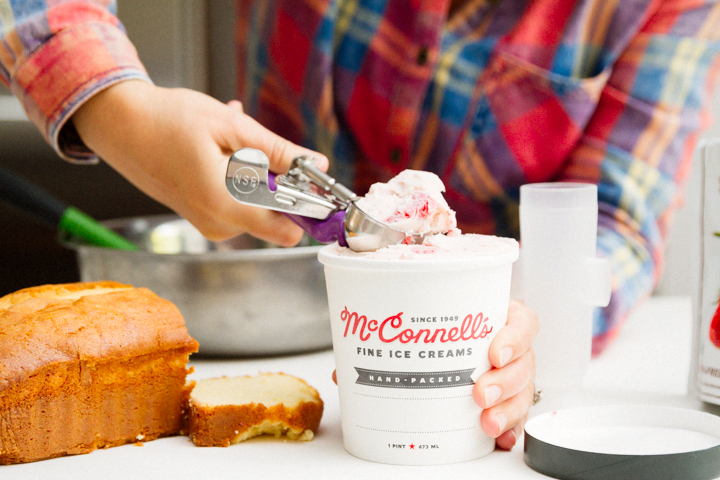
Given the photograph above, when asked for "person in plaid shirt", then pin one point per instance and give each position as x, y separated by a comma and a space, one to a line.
488, 94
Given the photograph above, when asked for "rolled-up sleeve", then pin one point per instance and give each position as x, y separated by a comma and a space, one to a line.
56, 55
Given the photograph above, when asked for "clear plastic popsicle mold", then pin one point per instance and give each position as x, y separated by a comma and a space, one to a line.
560, 278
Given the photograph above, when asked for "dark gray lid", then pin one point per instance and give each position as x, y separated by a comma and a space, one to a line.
624, 441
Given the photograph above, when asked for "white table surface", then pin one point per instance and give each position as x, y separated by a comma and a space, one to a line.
648, 363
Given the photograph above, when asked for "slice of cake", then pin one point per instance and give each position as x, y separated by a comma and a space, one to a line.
223, 411
86, 366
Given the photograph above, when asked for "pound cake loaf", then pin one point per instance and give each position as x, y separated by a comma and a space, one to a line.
223, 411
89, 365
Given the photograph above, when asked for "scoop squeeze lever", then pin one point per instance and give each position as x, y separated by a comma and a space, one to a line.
322, 207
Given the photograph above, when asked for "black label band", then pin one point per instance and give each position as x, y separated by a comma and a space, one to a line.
379, 378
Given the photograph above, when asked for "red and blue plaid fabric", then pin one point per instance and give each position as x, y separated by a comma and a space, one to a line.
501, 93
498, 94
55, 54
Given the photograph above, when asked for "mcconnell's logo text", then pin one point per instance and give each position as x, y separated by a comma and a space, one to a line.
390, 330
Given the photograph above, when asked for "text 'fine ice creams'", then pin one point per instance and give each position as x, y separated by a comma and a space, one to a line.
413, 202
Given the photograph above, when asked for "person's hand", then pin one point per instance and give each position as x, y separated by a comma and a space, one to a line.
174, 145
506, 391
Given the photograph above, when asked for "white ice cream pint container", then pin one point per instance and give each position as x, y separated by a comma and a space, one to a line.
410, 337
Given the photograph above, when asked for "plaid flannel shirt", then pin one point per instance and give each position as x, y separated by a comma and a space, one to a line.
55, 54
501, 93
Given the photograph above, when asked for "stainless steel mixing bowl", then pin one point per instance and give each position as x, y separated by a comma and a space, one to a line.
243, 297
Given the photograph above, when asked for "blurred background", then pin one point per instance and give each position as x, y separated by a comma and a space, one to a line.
182, 43
189, 43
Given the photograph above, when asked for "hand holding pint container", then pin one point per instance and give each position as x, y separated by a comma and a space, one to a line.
410, 339
412, 335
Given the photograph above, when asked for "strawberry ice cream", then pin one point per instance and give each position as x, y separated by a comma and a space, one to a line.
410, 202
413, 202
441, 247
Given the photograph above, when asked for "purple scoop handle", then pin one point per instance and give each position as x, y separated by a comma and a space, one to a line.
324, 231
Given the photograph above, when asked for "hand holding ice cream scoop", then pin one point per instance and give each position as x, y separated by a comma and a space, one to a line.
401, 212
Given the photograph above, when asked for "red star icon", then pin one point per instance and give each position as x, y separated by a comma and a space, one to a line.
412, 446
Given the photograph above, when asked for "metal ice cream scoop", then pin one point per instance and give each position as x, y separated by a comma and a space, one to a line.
322, 207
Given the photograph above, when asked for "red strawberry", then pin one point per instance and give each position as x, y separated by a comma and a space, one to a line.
715, 328
715, 324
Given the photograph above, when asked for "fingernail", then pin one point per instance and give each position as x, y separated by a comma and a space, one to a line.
501, 420
514, 440
492, 393
505, 355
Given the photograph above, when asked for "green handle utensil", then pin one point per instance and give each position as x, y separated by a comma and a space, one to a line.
50, 211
